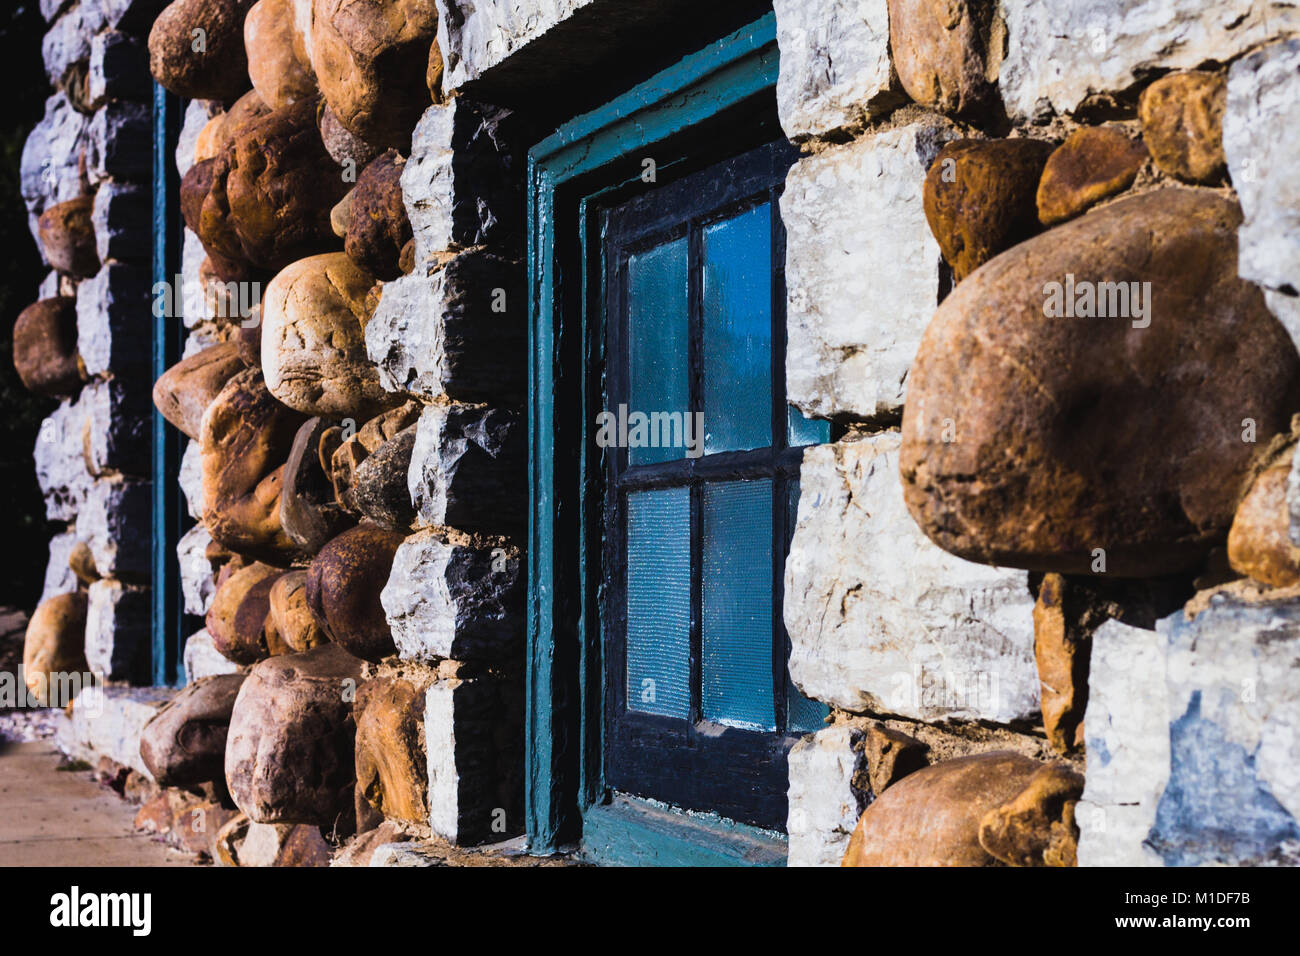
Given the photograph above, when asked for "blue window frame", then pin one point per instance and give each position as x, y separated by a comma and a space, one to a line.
713, 105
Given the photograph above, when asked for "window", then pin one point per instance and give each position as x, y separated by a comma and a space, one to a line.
646, 562
699, 505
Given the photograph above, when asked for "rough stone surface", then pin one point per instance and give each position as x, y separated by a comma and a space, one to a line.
289, 753
343, 589
1093, 163
981, 198
52, 169
1261, 136
115, 519
198, 583
246, 436
824, 803
467, 468
290, 617
852, 326
54, 648
456, 601
377, 226
118, 429
440, 336
1127, 733
309, 513
45, 347
392, 770
202, 659
1182, 124
1259, 542
113, 318
277, 59
881, 620
371, 61
1233, 795
237, 618
835, 69
191, 479
61, 471
120, 143
107, 721
475, 36
118, 70
183, 393
314, 316
473, 733
459, 184
67, 237
1043, 421
947, 53
119, 633
198, 114
122, 217
1059, 52
184, 743
956, 813
218, 70
59, 578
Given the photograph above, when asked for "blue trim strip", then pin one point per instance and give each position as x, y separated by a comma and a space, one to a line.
701, 86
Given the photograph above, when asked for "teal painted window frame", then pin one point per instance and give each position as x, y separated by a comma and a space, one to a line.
585, 160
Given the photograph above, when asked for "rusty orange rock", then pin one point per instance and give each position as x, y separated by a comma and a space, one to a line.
1092, 164
1259, 542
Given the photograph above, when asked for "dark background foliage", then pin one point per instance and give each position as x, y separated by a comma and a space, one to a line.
24, 531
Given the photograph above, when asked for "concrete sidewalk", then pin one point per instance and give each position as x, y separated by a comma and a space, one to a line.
52, 817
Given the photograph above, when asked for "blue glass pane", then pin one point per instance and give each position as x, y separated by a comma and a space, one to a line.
803, 715
659, 602
738, 332
658, 342
737, 639
805, 431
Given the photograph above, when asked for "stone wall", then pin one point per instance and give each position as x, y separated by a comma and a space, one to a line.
1042, 263
85, 175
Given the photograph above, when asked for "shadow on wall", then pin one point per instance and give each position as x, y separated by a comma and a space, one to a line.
24, 531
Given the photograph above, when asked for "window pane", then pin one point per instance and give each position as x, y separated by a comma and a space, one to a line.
803, 715
738, 332
805, 431
737, 641
659, 602
658, 340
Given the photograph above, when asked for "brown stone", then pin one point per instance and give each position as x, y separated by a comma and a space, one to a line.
290, 616
82, 563
345, 458
1062, 654
226, 842
68, 237
237, 619
183, 393
280, 185
184, 743
309, 512
372, 64
937, 815
1031, 440
1182, 123
215, 68
392, 769
244, 112
341, 214
1037, 827
55, 644
981, 198
406, 261
230, 290
289, 755
942, 53
273, 46
341, 144
433, 73
379, 483
245, 437
1092, 164
248, 339
891, 756
377, 227
314, 315
45, 347
343, 586
1259, 542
